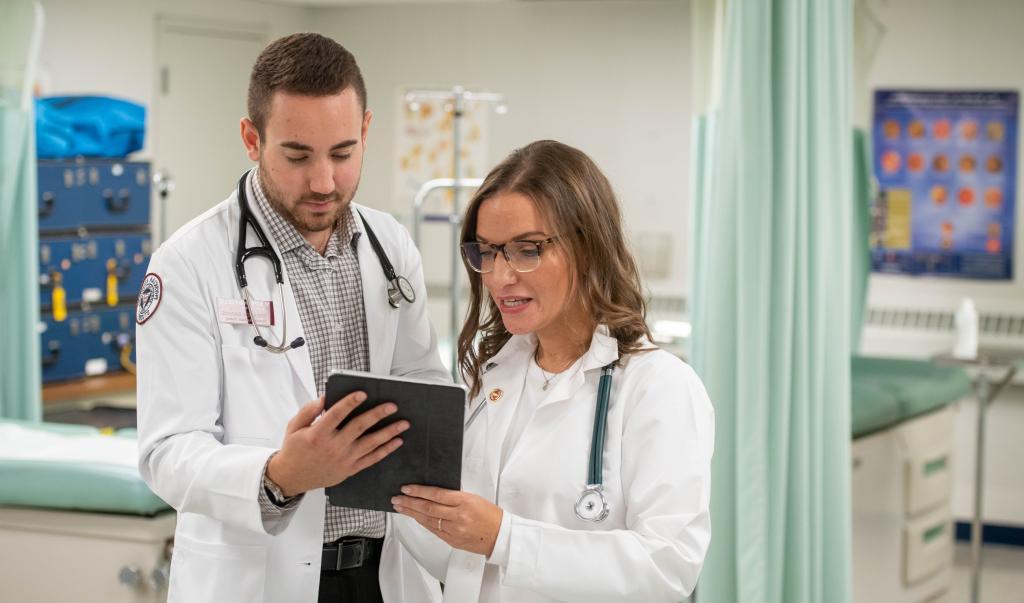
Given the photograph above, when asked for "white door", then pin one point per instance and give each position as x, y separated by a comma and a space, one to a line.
202, 78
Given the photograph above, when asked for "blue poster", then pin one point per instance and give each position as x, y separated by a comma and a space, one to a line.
946, 166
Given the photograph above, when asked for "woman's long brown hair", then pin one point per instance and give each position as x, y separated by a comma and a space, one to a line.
578, 202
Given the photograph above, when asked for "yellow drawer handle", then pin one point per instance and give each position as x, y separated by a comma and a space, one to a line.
112, 297
59, 298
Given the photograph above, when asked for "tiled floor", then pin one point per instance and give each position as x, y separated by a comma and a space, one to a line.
1002, 575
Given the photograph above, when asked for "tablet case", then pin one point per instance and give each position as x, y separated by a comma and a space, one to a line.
431, 452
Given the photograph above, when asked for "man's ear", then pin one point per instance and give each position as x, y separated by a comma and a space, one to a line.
250, 138
367, 118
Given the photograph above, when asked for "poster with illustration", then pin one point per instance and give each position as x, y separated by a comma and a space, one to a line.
946, 167
425, 147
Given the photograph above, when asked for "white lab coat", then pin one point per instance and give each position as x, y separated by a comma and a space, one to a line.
657, 456
212, 407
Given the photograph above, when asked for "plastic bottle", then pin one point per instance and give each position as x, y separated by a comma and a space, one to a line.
966, 321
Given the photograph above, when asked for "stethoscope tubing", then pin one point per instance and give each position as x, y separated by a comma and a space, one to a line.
604, 390
398, 286
595, 467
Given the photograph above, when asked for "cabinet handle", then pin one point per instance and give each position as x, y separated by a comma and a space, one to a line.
47, 206
117, 203
53, 356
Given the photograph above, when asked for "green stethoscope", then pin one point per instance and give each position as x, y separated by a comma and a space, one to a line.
591, 504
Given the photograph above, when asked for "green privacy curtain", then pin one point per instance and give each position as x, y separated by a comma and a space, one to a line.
860, 261
19, 294
772, 301
19, 281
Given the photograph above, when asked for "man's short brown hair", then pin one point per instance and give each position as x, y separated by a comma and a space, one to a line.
303, 63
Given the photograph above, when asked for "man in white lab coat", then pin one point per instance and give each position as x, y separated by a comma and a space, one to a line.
230, 355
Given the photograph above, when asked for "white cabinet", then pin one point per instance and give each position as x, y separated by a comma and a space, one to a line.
903, 538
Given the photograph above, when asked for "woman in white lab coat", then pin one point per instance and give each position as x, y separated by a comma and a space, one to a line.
556, 298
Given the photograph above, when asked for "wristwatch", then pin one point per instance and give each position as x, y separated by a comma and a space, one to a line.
273, 490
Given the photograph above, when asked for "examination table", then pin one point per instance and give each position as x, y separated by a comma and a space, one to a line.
77, 523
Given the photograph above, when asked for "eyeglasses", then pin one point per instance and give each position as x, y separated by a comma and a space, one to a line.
522, 256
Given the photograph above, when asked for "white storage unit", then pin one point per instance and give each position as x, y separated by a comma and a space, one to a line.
902, 520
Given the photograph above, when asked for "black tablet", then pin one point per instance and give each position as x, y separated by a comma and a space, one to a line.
431, 452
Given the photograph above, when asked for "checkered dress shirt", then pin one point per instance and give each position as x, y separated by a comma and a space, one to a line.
328, 291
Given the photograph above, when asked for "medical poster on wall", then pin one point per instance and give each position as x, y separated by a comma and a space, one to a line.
425, 147
946, 167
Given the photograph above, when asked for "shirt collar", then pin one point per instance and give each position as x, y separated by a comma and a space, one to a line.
604, 349
290, 239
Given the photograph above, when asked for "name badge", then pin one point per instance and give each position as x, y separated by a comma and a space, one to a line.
233, 312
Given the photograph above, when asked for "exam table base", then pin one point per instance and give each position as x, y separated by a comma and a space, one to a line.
49, 556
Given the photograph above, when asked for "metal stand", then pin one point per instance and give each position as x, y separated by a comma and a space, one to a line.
985, 390
163, 182
454, 219
457, 98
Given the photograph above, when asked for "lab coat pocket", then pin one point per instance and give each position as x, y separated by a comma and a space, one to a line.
216, 571
475, 477
258, 397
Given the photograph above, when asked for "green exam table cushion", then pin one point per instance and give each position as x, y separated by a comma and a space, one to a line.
888, 391
72, 467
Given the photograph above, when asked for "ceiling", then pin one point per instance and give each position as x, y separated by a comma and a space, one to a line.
338, 3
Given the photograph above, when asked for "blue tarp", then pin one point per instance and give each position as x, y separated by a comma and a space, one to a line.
88, 126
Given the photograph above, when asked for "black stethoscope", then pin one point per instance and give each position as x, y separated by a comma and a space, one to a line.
591, 504
399, 287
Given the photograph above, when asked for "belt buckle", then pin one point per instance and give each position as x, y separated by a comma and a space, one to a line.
358, 547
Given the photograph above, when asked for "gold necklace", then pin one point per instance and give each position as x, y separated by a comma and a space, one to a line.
544, 374
547, 380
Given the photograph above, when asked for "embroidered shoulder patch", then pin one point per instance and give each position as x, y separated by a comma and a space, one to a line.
149, 297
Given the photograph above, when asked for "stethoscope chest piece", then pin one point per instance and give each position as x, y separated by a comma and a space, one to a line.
400, 288
591, 505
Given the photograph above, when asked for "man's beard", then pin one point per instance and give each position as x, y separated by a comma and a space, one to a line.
324, 222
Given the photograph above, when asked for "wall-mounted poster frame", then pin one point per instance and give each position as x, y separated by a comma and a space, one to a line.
946, 166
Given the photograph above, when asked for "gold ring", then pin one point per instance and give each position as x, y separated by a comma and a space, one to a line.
439, 524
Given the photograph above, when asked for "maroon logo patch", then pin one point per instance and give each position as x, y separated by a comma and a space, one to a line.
149, 297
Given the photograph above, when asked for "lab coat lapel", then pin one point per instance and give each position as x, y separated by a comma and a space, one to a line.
381, 318
507, 376
603, 351
298, 358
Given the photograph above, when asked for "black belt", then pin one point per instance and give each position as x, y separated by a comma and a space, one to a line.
349, 553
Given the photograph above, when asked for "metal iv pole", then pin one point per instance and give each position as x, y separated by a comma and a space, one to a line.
457, 98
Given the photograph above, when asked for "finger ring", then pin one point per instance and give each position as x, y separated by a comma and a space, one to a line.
439, 520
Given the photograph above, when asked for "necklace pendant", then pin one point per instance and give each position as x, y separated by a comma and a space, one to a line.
545, 386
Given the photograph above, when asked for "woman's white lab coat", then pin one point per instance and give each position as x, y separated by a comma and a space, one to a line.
213, 407
657, 456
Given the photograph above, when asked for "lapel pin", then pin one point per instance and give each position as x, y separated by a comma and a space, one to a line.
495, 394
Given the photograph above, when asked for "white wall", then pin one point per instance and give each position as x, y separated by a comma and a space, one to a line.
109, 46
959, 44
952, 44
611, 78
